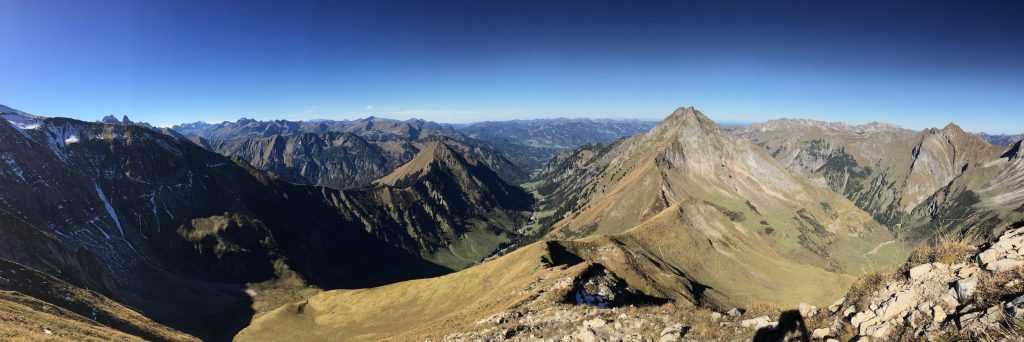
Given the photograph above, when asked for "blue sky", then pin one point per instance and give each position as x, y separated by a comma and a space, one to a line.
914, 64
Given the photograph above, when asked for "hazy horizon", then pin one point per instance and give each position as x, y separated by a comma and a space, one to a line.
912, 64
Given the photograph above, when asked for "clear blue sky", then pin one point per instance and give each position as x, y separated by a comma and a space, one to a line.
917, 65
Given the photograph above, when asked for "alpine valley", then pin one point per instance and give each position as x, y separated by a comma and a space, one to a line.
377, 229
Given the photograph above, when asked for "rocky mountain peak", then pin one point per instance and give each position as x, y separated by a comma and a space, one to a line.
685, 122
953, 128
688, 116
110, 119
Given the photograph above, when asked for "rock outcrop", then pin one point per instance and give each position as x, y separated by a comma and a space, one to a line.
978, 298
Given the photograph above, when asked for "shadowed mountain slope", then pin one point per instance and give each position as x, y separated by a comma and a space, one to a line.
41, 307
543, 276
444, 205
155, 222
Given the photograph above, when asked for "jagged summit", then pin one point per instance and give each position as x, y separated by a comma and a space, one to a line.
953, 128
687, 123
688, 117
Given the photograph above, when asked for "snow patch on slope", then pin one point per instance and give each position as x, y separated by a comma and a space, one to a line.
22, 120
110, 209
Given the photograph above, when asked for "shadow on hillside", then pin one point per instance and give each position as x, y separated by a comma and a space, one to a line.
791, 327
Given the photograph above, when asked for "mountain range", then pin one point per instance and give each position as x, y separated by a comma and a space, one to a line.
379, 229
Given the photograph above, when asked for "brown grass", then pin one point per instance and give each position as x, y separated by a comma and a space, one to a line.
864, 286
992, 288
947, 249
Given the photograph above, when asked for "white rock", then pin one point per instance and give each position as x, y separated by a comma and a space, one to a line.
756, 323
1003, 265
586, 335
716, 316
850, 310
837, 305
672, 333
735, 312
594, 323
920, 270
967, 271
950, 298
965, 288
938, 314
820, 334
807, 310
880, 331
861, 317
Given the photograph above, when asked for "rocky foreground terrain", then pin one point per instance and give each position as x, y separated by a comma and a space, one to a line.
976, 294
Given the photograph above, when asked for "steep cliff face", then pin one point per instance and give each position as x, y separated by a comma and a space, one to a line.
982, 202
720, 210
156, 222
884, 170
335, 160
444, 205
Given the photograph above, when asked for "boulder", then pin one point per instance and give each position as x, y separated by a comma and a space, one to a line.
1003, 265
1015, 307
861, 317
594, 323
807, 310
938, 314
757, 323
586, 335
735, 312
849, 311
821, 334
965, 288
673, 333
837, 305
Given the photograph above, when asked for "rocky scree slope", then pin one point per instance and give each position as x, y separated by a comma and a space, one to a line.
976, 293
